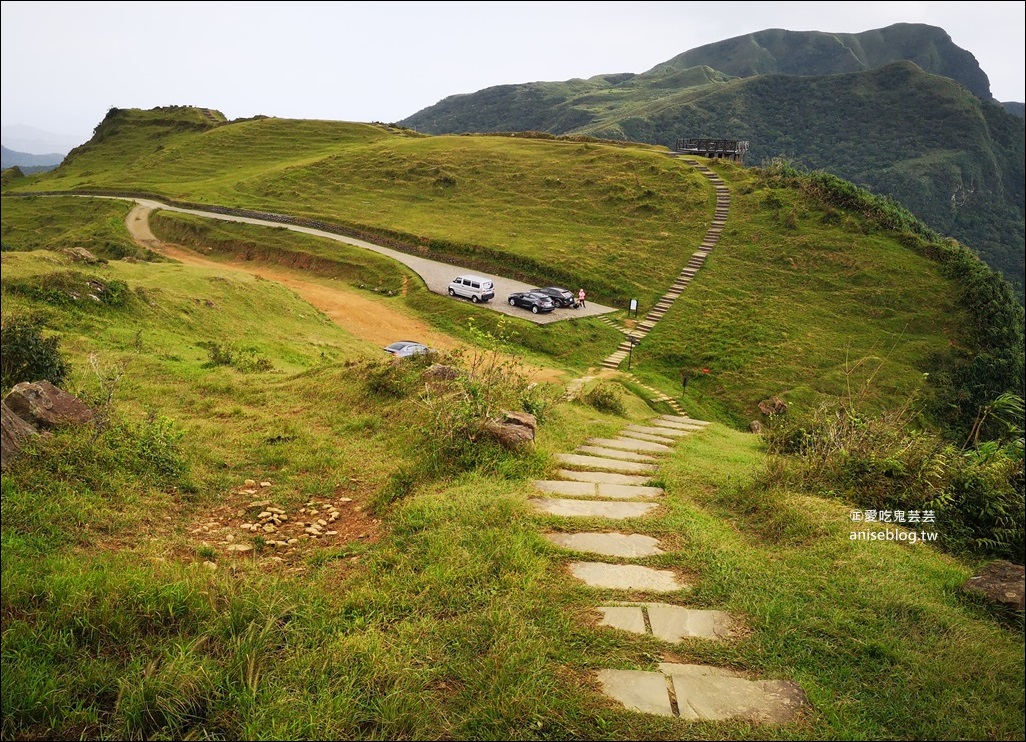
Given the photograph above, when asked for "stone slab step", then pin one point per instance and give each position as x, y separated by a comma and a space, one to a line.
594, 463
615, 453
704, 695
681, 419
707, 694
630, 444
602, 477
671, 623
626, 577
666, 441
593, 489
591, 508
660, 430
679, 427
608, 544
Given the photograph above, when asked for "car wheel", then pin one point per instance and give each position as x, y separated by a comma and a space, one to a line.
474, 299
512, 302
452, 293
534, 309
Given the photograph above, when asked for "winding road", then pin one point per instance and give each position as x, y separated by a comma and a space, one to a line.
436, 276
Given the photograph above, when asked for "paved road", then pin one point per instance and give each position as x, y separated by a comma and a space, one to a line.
436, 275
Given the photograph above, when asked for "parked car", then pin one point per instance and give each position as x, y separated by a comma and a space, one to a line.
560, 297
407, 348
475, 288
533, 300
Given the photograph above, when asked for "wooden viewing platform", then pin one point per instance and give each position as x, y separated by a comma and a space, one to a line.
732, 149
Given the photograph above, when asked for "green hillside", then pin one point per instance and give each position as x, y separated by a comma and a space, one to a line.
621, 220
135, 606
900, 111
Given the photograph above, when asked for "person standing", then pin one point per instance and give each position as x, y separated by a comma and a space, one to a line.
580, 298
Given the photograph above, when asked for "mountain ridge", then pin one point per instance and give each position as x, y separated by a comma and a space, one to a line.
921, 127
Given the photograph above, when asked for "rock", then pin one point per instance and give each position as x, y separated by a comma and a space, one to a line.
513, 429
999, 582
773, 406
15, 430
81, 255
44, 406
755, 427
240, 548
440, 372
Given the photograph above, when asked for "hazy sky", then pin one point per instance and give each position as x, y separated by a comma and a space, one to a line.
65, 63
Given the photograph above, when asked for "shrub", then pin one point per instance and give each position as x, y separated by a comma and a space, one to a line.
27, 354
605, 398
242, 359
883, 462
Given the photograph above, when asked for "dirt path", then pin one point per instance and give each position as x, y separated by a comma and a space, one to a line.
365, 318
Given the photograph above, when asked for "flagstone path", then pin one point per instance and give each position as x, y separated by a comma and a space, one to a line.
637, 333
610, 478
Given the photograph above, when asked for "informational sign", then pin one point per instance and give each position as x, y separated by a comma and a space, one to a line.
634, 307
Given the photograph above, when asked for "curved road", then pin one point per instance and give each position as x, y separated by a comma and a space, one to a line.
436, 275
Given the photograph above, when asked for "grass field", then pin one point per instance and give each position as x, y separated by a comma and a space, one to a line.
437, 609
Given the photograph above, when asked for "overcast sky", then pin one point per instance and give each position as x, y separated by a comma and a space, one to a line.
64, 64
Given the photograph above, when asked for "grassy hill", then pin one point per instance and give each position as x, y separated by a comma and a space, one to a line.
437, 610
621, 220
900, 111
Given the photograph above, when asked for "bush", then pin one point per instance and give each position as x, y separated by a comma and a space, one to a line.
605, 398
242, 359
26, 354
882, 462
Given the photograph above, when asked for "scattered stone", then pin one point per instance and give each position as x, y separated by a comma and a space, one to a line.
240, 548
212, 566
755, 427
265, 484
260, 503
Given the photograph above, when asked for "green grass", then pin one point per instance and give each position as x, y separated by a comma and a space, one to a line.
440, 611
797, 299
812, 312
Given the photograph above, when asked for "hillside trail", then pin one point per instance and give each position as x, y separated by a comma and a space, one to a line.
362, 317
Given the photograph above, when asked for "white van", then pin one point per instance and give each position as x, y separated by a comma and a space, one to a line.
474, 288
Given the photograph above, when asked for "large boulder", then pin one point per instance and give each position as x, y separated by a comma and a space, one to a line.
1000, 582
513, 429
44, 406
13, 430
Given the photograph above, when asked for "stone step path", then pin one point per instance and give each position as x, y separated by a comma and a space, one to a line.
610, 478
671, 623
703, 693
604, 490
608, 544
690, 270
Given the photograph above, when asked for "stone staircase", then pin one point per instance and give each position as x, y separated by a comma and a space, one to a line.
610, 478
689, 271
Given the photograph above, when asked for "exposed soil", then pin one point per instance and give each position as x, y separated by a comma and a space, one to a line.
221, 527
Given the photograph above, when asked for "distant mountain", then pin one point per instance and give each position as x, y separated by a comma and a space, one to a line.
29, 163
901, 111
1016, 109
23, 138
803, 53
